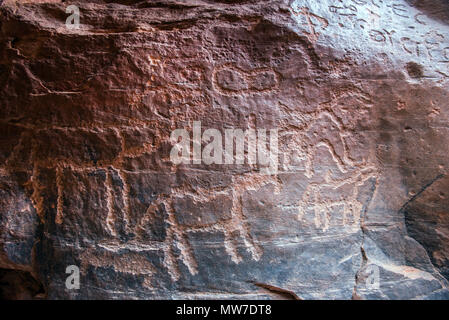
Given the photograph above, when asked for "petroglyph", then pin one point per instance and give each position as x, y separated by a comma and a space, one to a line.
356, 90
400, 10
320, 199
59, 202
381, 36
419, 19
314, 23
131, 263
232, 223
307, 138
347, 10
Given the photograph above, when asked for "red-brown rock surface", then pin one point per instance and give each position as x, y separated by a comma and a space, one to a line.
357, 89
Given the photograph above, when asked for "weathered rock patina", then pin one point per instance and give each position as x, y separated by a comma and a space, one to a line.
358, 90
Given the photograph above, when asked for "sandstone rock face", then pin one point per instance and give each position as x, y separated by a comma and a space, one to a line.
357, 89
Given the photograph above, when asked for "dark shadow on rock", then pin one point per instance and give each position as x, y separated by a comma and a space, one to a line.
427, 221
435, 9
19, 285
